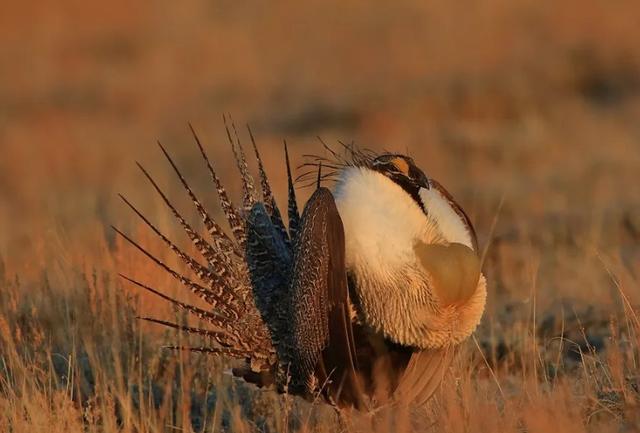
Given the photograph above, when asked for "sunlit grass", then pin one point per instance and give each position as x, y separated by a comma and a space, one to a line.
74, 358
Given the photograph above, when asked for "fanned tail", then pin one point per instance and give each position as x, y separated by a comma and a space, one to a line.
211, 317
215, 294
221, 279
210, 350
220, 337
267, 195
248, 187
202, 292
224, 284
222, 241
234, 219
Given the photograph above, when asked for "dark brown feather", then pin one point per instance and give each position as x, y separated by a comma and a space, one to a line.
323, 354
267, 195
236, 222
294, 215
224, 245
248, 187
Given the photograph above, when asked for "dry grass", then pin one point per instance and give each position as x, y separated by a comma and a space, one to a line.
527, 111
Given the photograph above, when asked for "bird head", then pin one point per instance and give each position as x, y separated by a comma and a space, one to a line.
403, 171
432, 198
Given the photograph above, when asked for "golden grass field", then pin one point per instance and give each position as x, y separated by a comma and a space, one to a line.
527, 111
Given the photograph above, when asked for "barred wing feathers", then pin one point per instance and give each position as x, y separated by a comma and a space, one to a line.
323, 354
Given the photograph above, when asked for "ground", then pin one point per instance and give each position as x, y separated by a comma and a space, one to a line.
527, 111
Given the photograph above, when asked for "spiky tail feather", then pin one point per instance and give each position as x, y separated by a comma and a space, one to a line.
225, 283
294, 215
267, 195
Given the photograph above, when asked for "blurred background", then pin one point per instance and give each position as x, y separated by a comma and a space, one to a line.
534, 101
527, 111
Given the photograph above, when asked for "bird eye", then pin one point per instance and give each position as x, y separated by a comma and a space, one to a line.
401, 165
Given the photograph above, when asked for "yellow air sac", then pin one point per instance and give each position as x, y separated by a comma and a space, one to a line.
454, 270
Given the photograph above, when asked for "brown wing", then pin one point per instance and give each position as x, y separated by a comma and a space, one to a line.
322, 349
458, 210
423, 375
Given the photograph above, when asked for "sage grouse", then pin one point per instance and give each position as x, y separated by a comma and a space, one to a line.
361, 299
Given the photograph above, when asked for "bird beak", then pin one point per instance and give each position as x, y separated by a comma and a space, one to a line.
423, 181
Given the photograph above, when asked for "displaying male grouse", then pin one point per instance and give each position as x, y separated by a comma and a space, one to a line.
362, 298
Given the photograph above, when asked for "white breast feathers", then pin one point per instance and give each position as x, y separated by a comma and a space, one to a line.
381, 221
396, 296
